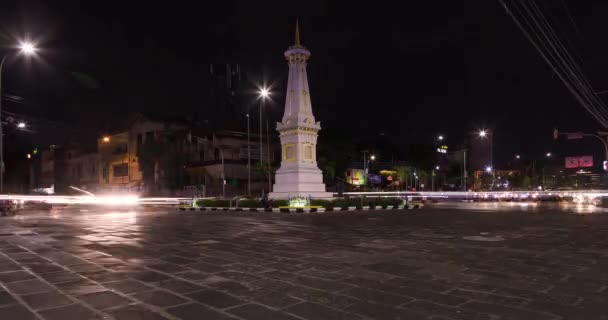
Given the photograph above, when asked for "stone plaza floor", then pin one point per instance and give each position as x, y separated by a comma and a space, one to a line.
472, 262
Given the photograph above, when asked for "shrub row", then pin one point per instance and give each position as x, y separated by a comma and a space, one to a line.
337, 203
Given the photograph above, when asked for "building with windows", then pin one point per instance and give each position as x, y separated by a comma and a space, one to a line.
159, 157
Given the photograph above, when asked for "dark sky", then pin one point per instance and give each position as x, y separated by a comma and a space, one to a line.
408, 70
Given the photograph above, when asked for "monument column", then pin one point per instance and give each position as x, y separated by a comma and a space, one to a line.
299, 174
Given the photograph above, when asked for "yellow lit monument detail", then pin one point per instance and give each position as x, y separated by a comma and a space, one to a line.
299, 175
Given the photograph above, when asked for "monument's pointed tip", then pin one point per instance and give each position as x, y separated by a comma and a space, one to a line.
297, 32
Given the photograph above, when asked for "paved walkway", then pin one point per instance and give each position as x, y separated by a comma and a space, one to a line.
424, 264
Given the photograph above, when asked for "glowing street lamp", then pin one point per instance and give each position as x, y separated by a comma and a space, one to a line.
440, 137
548, 155
106, 139
437, 168
489, 169
483, 133
517, 157
264, 94
26, 48
21, 125
372, 157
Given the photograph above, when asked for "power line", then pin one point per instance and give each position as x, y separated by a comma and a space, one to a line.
530, 20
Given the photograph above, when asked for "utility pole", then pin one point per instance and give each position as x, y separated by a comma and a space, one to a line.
464, 170
261, 140
248, 158
268, 152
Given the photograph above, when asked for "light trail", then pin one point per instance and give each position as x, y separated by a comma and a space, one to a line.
578, 196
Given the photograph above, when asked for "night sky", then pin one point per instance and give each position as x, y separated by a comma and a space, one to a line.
404, 72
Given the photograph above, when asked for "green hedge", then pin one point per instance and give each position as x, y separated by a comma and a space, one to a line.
337, 203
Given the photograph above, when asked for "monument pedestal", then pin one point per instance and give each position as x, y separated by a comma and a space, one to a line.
299, 182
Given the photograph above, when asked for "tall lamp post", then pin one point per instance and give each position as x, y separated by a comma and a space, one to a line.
263, 95
25, 48
484, 134
248, 158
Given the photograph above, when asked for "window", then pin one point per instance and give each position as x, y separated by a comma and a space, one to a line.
149, 136
120, 170
140, 140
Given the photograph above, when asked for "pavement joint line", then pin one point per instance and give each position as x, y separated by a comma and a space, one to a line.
172, 276
105, 315
22, 302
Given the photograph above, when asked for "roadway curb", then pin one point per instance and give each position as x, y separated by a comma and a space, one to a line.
302, 210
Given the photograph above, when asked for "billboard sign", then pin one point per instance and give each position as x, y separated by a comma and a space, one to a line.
355, 177
579, 162
374, 178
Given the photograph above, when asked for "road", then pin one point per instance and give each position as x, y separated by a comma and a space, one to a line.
446, 261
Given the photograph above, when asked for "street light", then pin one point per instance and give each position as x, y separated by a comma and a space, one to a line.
264, 94
437, 168
21, 125
489, 169
106, 139
26, 48
440, 137
373, 157
548, 155
517, 157
483, 133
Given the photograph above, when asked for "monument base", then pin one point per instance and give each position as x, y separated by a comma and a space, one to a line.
299, 181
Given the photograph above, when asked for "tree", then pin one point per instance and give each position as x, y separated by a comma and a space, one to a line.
165, 155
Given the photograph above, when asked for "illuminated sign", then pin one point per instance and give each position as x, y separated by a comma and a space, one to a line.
355, 177
579, 162
299, 202
443, 149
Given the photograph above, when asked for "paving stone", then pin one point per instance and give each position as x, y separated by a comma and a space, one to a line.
81, 287
205, 267
104, 300
9, 266
46, 300
135, 312
506, 312
28, 287
215, 299
168, 267
179, 286
258, 312
6, 299
129, 286
61, 276
195, 311
104, 276
13, 276
149, 276
159, 298
375, 296
275, 299
378, 311
454, 313
314, 311
16, 312
71, 312
446, 299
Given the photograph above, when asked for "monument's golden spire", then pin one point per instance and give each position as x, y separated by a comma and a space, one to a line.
297, 33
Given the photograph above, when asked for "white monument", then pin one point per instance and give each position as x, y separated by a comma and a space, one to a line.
299, 174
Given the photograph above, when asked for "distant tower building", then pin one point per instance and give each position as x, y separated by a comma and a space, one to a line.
299, 174
481, 147
225, 95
